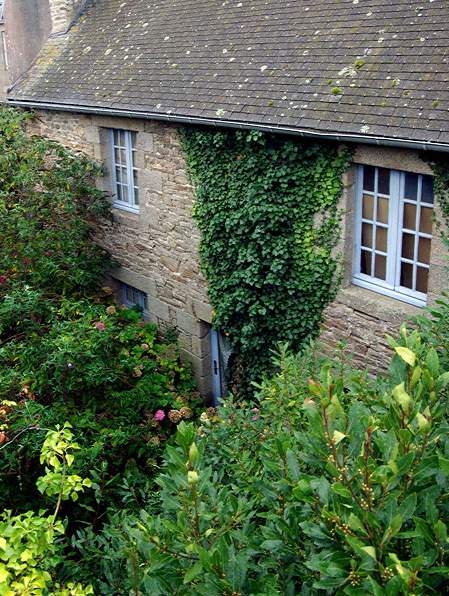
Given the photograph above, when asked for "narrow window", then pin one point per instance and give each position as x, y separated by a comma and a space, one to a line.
124, 172
393, 233
133, 297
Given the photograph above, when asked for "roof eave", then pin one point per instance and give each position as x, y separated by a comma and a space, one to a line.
290, 130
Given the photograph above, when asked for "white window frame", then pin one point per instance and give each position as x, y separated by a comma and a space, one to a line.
128, 171
132, 296
391, 286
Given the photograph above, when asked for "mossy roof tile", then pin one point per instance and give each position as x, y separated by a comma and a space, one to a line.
319, 66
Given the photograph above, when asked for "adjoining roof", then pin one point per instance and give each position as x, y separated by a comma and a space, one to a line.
371, 68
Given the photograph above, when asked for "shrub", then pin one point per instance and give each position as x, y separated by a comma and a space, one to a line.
328, 485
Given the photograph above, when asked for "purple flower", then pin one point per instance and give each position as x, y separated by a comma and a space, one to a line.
100, 326
257, 415
69, 365
160, 415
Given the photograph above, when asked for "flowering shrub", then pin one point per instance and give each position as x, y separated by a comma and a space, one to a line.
332, 484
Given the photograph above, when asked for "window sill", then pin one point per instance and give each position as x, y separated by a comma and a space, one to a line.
376, 305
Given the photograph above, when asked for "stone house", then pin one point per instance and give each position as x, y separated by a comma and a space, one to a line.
117, 78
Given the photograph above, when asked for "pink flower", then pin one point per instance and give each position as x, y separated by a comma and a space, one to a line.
26, 261
100, 326
160, 415
69, 365
3, 278
257, 415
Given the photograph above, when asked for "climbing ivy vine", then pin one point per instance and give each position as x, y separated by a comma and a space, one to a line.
440, 167
266, 207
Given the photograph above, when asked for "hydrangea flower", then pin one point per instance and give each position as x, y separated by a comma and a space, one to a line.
160, 415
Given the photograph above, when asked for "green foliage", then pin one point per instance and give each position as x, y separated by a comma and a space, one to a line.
266, 208
47, 200
67, 350
440, 167
332, 485
30, 550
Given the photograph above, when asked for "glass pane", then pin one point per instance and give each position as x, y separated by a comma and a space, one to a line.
382, 210
365, 262
424, 250
135, 297
422, 275
409, 216
411, 186
117, 156
407, 275
136, 196
135, 177
118, 174
125, 194
116, 137
119, 192
133, 138
381, 239
408, 246
123, 157
368, 207
368, 178
381, 267
129, 297
427, 189
145, 302
383, 181
367, 235
425, 224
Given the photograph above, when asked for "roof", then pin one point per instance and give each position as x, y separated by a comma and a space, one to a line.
351, 67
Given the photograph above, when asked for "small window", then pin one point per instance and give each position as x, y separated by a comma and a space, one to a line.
124, 173
393, 232
132, 297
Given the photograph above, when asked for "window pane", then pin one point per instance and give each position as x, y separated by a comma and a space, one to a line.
383, 181
118, 174
133, 138
411, 186
382, 210
365, 262
368, 207
145, 302
409, 216
408, 246
119, 192
425, 224
129, 296
424, 251
407, 275
427, 189
368, 178
422, 276
381, 239
125, 194
367, 235
381, 267
136, 196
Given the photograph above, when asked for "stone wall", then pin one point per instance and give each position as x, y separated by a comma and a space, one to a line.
62, 13
157, 248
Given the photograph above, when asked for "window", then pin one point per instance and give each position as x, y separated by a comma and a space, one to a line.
124, 173
393, 232
133, 296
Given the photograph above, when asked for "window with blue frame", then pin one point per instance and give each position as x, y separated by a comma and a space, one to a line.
123, 170
393, 232
132, 296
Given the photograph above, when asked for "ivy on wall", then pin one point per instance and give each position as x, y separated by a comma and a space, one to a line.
440, 167
266, 207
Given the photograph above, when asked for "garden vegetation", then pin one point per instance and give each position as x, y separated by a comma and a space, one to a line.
112, 483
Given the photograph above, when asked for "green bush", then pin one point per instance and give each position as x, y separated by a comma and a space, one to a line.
331, 484
67, 350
